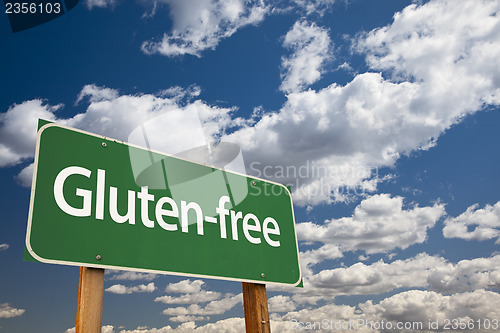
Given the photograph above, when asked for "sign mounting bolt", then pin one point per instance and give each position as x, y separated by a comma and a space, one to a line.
263, 275
98, 257
104, 144
254, 183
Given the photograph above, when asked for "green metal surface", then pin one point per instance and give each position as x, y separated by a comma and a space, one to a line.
55, 236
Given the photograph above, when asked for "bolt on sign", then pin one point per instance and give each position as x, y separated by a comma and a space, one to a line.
90, 207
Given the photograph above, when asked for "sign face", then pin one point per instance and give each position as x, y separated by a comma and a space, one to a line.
91, 207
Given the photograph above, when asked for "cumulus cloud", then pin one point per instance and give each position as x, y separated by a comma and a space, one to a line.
444, 45
192, 293
337, 313
309, 258
200, 25
116, 115
424, 306
311, 50
200, 297
121, 289
188, 318
422, 271
413, 308
18, 130
25, 177
475, 223
314, 6
185, 287
375, 278
425, 76
109, 114
229, 325
7, 311
379, 224
280, 303
215, 307
466, 275
428, 69
97, 94
130, 276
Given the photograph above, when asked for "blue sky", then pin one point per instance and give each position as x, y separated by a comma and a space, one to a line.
390, 107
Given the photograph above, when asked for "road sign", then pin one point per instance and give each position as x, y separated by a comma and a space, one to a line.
89, 208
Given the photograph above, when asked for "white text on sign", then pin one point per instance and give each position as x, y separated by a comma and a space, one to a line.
164, 207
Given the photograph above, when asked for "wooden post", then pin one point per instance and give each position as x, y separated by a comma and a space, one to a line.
255, 305
89, 308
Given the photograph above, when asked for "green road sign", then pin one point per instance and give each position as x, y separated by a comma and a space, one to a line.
100, 202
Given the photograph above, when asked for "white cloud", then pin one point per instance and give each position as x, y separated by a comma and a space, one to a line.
97, 94
121, 289
438, 64
184, 318
229, 325
109, 114
201, 24
18, 130
312, 257
311, 50
99, 3
422, 306
179, 93
336, 313
379, 224
379, 277
414, 308
201, 296
215, 307
280, 303
222, 305
7, 311
485, 222
185, 287
449, 46
4, 247
130, 276
466, 275
315, 6
340, 135
116, 116
411, 307
25, 177
193, 294
422, 271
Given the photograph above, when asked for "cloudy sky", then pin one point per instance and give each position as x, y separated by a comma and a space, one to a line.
382, 116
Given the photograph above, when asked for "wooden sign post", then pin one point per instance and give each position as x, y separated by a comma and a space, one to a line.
89, 308
255, 307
